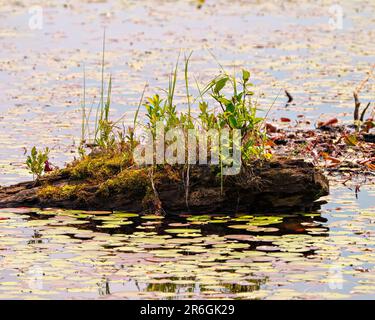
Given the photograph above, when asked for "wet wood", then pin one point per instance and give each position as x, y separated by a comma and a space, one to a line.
275, 186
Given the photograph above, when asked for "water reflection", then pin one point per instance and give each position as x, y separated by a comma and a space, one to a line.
181, 256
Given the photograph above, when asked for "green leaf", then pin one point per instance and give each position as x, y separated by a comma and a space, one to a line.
33, 152
224, 101
203, 106
220, 84
230, 108
245, 75
351, 140
233, 122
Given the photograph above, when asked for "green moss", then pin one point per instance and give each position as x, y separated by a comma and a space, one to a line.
109, 173
133, 180
105, 175
67, 192
98, 167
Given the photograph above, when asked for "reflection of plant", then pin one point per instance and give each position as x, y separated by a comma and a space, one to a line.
227, 288
36, 161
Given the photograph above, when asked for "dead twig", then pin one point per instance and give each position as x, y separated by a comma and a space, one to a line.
364, 112
290, 98
356, 92
357, 105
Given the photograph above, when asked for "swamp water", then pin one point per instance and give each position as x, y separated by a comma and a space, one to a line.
71, 254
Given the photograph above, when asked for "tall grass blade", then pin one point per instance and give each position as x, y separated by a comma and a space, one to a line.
84, 120
108, 103
187, 85
172, 84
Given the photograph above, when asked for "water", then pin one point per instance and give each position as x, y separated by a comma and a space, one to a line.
325, 254
73, 254
285, 46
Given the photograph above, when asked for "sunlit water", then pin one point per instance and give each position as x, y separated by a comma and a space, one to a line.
286, 45
73, 254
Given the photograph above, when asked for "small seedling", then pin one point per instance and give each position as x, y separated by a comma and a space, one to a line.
36, 161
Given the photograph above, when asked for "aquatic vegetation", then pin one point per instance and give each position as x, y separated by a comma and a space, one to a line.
359, 119
110, 168
104, 128
326, 255
164, 260
237, 111
36, 161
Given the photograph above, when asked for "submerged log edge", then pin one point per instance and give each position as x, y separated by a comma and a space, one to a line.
280, 185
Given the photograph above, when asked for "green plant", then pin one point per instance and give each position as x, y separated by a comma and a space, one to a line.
36, 161
236, 111
155, 108
131, 130
225, 103
104, 129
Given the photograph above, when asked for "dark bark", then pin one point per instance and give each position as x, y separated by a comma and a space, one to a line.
276, 186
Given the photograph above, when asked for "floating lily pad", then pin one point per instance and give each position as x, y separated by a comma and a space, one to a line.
152, 217
182, 231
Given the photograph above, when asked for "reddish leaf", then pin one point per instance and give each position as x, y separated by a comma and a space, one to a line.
328, 123
285, 120
334, 160
270, 128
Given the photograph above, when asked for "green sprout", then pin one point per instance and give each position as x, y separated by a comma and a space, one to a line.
36, 161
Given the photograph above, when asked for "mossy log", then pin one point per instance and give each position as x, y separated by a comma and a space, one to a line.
279, 185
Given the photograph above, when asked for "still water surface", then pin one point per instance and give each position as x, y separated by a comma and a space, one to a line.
286, 45
73, 254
